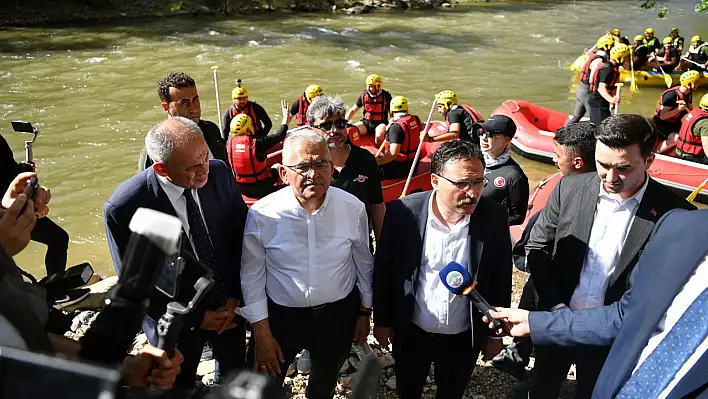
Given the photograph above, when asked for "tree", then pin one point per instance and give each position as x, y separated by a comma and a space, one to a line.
701, 6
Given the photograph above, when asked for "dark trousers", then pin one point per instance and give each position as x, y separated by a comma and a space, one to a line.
326, 331
228, 348
520, 350
552, 365
665, 128
599, 111
688, 157
57, 241
394, 170
453, 356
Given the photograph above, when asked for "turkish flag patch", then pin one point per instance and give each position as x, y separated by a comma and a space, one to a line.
499, 182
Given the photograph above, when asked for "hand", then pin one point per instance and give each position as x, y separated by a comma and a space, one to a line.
681, 106
230, 307
214, 319
15, 228
268, 354
517, 321
493, 348
151, 368
19, 185
384, 336
285, 110
361, 330
615, 100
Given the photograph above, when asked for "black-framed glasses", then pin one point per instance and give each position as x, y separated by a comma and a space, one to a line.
480, 131
304, 168
467, 184
327, 126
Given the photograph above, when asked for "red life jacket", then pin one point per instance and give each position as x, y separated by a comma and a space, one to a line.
686, 140
375, 108
248, 110
243, 160
594, 84
687, 98
476, 117
302, 105
411, 127
585, 72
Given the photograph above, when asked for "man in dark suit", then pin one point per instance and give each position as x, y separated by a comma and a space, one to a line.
179, 97
658, 329
588, 239
203, 194
421, 234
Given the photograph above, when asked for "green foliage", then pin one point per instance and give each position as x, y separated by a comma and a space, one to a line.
701, 6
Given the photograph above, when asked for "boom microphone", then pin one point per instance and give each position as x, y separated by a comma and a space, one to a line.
458, 280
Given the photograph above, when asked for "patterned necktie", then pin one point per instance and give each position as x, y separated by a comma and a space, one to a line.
660, 367
203, 247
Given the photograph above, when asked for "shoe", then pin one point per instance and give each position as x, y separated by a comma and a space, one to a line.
363, 352
506, 363
303, 363
71, 297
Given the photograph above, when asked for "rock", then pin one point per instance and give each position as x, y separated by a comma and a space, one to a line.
391, 383
346, 381
288, 381
206, 367
479, 397
390, 371
346, 368
365, 9
355, 363
386, 360
96, 296
292, 370
94, 279
428, 380
446, 5
429, 396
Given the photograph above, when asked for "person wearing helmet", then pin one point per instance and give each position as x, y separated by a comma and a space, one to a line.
676, 39
617, 36
376, 103
651, 41
299, 107
668, 56
675, 103
602, 81
460, 118
640, 53
692, 140
582, 94
242, 105
403, 137
698, 53
248, 155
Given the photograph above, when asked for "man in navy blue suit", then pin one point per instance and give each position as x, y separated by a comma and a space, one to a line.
658, 329
203, 194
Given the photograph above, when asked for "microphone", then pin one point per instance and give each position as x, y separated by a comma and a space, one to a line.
458, 280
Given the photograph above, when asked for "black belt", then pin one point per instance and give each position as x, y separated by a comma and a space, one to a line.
318, 308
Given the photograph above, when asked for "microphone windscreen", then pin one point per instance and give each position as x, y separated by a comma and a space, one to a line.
455, 277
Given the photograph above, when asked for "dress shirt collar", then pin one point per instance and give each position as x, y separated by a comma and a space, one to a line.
433, 220
173, 191
637, 196
299, 208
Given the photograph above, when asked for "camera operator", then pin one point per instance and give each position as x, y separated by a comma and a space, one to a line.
23, 306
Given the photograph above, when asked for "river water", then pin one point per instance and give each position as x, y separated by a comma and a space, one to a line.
91, 88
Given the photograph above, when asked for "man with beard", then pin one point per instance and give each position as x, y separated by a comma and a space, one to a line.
306, 268
422, 233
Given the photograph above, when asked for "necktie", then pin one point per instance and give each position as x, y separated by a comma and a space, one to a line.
660, 367
203, 247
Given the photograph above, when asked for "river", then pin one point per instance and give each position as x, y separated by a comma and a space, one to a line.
91, 88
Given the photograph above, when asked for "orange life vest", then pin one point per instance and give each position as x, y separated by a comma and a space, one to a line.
686, 140
302, 106
411, 127
585, 72
243, 160
375, 108
594, 84
248, 110
687, 98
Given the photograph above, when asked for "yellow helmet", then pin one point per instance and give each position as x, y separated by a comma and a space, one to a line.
605, 42
399, 104
649, 30
667, 40
675, 30
615, 32
312, 91
689, 79
638, 38
241, 125
374, 80
704, 102
619, 52
239, 91
695, 39
447, 98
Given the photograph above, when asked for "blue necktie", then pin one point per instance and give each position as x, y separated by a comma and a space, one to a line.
660, 367
203, 247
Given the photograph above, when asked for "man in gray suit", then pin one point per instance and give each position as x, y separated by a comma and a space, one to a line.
588, 239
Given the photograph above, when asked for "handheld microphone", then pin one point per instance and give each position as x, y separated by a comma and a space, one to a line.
458, 280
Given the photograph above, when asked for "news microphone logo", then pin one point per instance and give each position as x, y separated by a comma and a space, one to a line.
454, 279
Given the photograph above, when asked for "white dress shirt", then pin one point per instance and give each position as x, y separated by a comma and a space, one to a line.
437, 310
694, 287
609, 231
302, 260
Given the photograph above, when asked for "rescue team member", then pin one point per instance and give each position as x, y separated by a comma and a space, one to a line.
403, 137
299, 107
376, 102
668, 56
248, 155
640, 53
651, 41
595, 58
603, 93
675, 103
692, 141
507, 182
179, 97
617, 37
460, 118
676, 40
698, 52
259, 116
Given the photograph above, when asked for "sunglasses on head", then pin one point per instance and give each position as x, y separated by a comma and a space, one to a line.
327, 126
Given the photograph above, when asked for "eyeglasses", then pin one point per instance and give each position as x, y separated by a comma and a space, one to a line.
483, 132
464, 185
327, 126
305, 167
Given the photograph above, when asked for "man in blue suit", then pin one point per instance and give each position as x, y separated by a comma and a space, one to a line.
658, 329
203, 194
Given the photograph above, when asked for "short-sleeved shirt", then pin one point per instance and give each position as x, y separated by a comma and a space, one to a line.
360, 177
509, 186
461, 116
700, 129
669, 99
395, 134
673, 54
295, 107
606, 75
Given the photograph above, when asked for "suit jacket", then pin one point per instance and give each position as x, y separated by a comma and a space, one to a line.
669, 260
559, 240
225, 217
397, 262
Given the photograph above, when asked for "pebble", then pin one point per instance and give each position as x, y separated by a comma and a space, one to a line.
386, 360
391, 383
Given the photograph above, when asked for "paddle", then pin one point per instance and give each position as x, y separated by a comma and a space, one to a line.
619, 88
380, 149
693, 62
691, 197
667, 79
420, 147
218, 101
633, 84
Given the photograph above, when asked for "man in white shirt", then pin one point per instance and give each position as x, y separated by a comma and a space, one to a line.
422, 233
588, 239
306, 268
